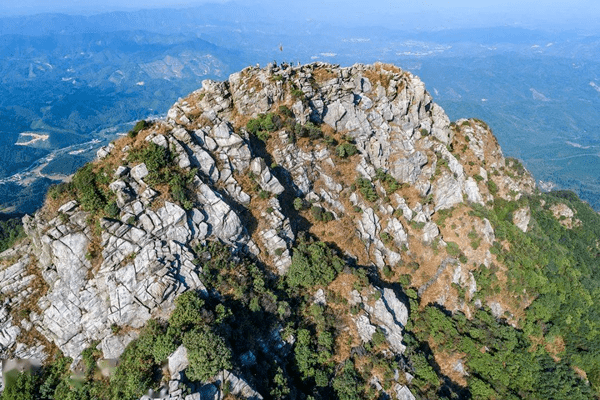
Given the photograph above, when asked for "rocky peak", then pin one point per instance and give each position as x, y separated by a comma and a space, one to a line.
359, 156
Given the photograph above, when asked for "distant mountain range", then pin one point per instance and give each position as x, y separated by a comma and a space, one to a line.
70, 78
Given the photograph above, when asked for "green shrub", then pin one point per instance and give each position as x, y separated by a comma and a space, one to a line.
346, 384
56, 191
20, 386
208, 354
320, 214
137, 128
112, 210
156, 158
285, 111
452, 249
263, 124
134, 375
317, 213
378, 338
417, 225
312, 131
345, 150
493, 188
367, 189
313, 264
297, 93
298, 204
386, 238
330, 140
188, 311
89, 194
390, 183
162, 170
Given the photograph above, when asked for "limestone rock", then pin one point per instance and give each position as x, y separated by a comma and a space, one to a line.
403, 393
391, 315
565, 215
448, 193
139, 172
178, 361
113, 346
364, 327
521, 218
430, 232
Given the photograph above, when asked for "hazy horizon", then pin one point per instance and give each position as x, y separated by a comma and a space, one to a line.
432, 14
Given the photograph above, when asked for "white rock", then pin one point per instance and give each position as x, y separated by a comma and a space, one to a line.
139, 172
521, 218
178, 361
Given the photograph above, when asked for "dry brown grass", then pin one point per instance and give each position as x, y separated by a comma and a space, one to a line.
51, 205
344, 343
254, 83
581, 373
343, 285
323, 74
555, 346
446, 362
382, 74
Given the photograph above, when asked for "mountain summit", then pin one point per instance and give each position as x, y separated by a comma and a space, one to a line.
304, 232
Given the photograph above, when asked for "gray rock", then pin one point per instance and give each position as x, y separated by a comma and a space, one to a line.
237, 385
224, 136
397, 231
266, 180
139, 172
391, 316
159, 140
447, 193
430, 232
364, 328
521, 218
488, 231
121, 171
369, 225
178, 361
403, 393
113, 346
104, 151
123, 192
68, 207
248, 359
408, 169
472, 191
320, 298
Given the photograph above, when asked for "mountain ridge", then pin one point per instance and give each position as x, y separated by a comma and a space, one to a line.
348, 202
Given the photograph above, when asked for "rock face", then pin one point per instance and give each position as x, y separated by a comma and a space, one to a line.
521, 218
248, 194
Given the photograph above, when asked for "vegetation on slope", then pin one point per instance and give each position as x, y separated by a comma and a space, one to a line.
502, 361
11, 230
297, 345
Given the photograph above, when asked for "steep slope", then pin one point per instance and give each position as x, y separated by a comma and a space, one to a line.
332, 234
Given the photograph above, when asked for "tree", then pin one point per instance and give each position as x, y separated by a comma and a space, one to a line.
208, 354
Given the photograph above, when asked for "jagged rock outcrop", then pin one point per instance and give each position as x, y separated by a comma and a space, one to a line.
378, 198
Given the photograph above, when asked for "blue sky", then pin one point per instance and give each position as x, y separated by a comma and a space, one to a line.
384, 12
